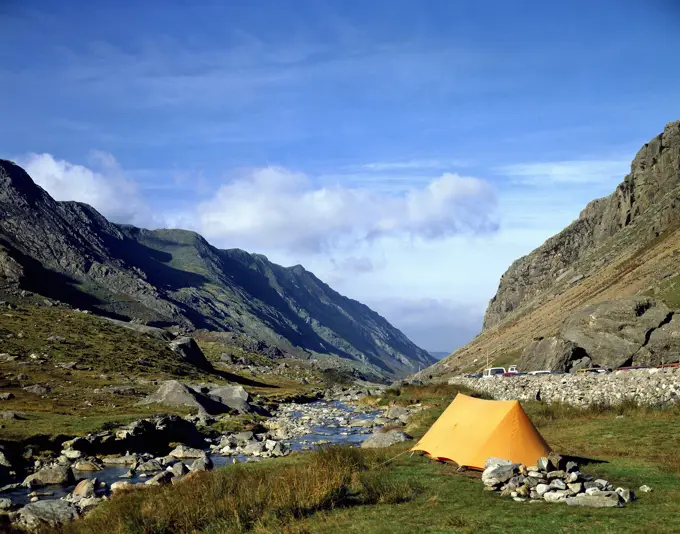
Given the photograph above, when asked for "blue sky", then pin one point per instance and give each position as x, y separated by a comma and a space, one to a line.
406, 152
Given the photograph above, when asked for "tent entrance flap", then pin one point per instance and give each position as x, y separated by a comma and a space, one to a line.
471, 430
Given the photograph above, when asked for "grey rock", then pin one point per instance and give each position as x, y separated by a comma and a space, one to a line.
56, 474
395, 412
604, 499
558, 484
554, 496
541, 489
626, 495
37, 389
385, 439
254, 448
201, 464
174, 393
576, 487
160, 479
149, 466
121, 485
542, 463
612, 332
497, 474
87, 465
190, 352
6, 395
179, 469
5, 504
556, 474
182, 451
50, 513
496, 461
552, 354
645, 489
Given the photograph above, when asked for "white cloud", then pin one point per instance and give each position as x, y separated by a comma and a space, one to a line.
274, 208
108, 190
413, 164
567, 172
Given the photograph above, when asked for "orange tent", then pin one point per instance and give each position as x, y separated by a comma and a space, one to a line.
471, 430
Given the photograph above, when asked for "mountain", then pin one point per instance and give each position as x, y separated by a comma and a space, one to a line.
622, 245
175, 278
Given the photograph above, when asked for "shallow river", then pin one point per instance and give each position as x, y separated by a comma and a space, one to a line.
327, 431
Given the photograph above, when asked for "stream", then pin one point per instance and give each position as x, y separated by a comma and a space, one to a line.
320, 422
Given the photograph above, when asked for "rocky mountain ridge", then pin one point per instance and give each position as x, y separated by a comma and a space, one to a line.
175, 278
623, 245
655, 172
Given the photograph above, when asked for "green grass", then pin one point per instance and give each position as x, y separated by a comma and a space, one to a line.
342, 490
266, 497
668, 291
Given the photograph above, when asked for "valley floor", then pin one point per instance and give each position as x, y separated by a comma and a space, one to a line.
356, 491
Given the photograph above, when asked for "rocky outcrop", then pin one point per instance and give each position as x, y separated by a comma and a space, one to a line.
176, 278
174, 393
654, 174
623, 332
645, 387
190, 352
554, 354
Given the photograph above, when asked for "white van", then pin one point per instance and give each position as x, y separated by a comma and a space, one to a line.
494, 371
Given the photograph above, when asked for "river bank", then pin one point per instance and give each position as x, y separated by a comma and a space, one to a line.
165, 449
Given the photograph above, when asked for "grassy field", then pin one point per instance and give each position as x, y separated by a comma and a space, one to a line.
360, 491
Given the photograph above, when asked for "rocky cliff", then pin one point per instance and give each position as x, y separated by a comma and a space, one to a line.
654, 173
70, 252
623, 245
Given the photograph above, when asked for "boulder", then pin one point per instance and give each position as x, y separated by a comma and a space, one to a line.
85, 489
121, 485
236, 398
663, 345
174, 393
602, 499
541, 489
149, 466
37, 389
395, 412
6, 395
554, 496
497, 474
385, 439
50, 513
87, 465
182, 451
612, 332
202, 464
190, 352
553, 354
56, 474
496, 461
179, 469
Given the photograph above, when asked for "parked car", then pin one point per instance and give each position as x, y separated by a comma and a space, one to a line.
542, 372
494, 371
